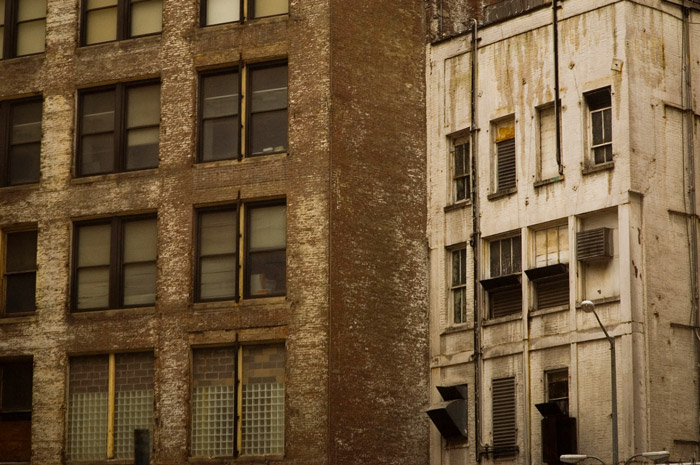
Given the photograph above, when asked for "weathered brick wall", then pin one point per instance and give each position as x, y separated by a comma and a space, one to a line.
89, 374
214, 367
133, 371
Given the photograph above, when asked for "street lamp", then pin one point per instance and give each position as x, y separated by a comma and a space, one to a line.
655, 456
589, 307
576, 458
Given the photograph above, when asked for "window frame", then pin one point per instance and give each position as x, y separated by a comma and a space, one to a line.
115, 294
238, 375
17, 415
457, 143
200, 111
549, 375
5, 272
591, 108
460, 286
503, 285
111, 400
247, 96
503, 134
549, 277
247, 252
246, 13
124, 21
6, 119
10, 31
120, 129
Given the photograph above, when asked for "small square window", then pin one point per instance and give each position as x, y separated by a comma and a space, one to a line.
599, 104
19, 278
20, 141
118, 128
110, 20
22, 27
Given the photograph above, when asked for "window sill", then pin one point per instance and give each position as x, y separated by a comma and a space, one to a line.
230, 304
240, 459
111, 313
458, 205
609, 165
23, 318
118, 44
502, 319
602, 301
203, 165
503, 193
458, 328
100, 462
20, 187
33, 56
546, 182
112, 176
548, 311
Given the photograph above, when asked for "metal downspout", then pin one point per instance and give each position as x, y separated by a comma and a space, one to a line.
475, 244
557, 105
688, 116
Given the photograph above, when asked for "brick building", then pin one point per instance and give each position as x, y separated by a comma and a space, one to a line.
550, 185
212, 220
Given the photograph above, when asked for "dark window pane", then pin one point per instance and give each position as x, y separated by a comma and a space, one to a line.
217, 277
459, 299
97, 154
220, 95
267, 273
517, 249
268, 132
16, 387
598, 99
220, 139
142, 148
607, 125
456, 268
26, 122
459, 160
24, 164
461, 188
98, 112
597, 127
495, 259
21, 251
506, 266
269, 87
20, 293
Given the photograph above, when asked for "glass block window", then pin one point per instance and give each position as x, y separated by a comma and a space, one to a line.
217, 372
130, 378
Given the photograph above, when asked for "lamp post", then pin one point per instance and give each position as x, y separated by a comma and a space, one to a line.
655, 456
589, 307
576, 458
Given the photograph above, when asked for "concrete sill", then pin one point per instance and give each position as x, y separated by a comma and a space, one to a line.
548, 311
24, 318
603, 301
19, 188
597, 168
457, 329
458, 206
545, 182
204, 165
504, 193
112, 313
262, 459
502, 319
114, 176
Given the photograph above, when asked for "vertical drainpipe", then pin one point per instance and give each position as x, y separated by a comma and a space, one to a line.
689, 118
557, 106
475, 244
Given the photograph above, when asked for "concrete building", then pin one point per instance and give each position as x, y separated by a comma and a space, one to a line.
213, 228
522, 229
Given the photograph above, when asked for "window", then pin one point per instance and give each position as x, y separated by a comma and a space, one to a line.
558, 388
118, 128
504, 132
218, 258
15, 409
503, 417
228, 423
114, 263
20, 141
109, 396
598, 256
550, 276
22, 27
230, 11
504, 289
19, 278
110, 20
458, 286
461, 169
600, 123
223, 134
547, 167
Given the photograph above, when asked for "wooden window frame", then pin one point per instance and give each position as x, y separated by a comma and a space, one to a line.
10, 38
504, 285
5, 273
247, 13
461, 147
123, 23
593, 106
458, 286
200, 111
6, 119
116, 261
247, 96
120, 130
549, 374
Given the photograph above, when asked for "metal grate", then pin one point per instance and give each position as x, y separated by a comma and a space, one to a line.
263, 418
553, 292
505, 301
213, 421
87, 426
504, 425
133, 410
594, 244
506, 165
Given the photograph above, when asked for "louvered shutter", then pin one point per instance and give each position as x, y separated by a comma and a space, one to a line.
506, 164
505, 301
553, 292
594, 244
503, 412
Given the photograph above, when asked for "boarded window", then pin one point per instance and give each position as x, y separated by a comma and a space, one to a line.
504, 418
547, 143
15, 410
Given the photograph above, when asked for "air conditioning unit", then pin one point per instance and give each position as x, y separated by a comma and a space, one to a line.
594, 244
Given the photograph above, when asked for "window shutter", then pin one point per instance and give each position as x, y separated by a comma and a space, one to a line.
594, 244
505, 302
506, 164
553, 292
503, 412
